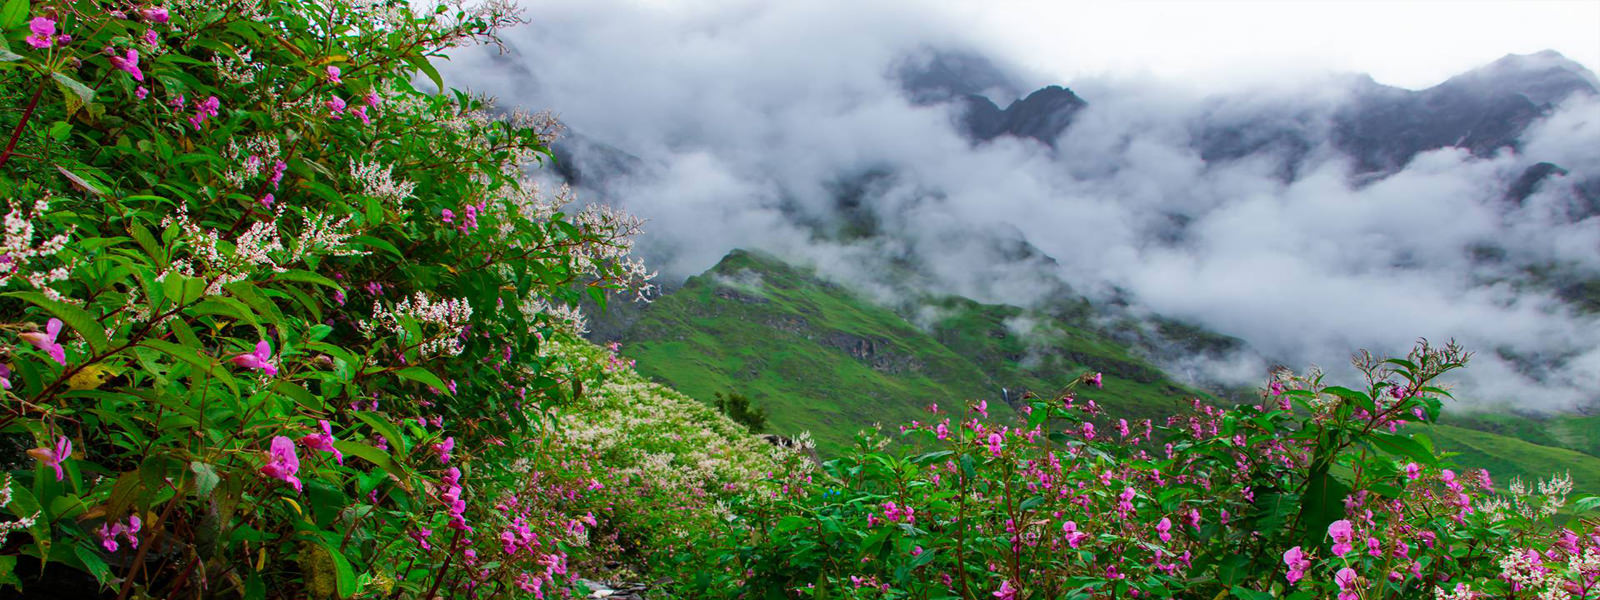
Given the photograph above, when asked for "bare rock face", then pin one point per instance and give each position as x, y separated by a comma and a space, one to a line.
1482, 111
1042, 116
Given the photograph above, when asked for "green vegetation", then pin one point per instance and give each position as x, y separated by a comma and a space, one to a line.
814, 356
824, 360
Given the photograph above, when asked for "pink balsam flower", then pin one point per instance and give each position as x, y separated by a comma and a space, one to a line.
52, 457
46, 341
282, 464
1297, 562
259, 360
130, 63
44, 32
323, 441
1342, 533
154, 14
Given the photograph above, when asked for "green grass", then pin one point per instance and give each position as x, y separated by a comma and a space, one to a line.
1506, 457
1579, 433
816, 357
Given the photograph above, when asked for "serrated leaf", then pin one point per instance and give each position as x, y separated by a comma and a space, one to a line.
205, 478
76, 93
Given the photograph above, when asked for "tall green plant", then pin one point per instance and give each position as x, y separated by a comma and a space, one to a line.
272, 311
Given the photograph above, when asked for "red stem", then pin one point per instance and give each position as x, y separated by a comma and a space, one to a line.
27, 113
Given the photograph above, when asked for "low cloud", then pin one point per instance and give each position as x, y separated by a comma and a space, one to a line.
781, 126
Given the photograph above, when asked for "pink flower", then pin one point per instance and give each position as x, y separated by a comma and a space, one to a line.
1163, 528
44, 32
1074, 537
129, 63
1297, 562
277, 173
154, 14
335, 107
282, 463
447, 216
1006, 592
361, 113
203, 110
267, 200
52, 457
1342, 533
333, 74
1094, 379
141, 92
1346, 580
259, 360
443, 449
150, 37
372, 98
46, 341
5, 376
995, 444
1413, 471
323, 441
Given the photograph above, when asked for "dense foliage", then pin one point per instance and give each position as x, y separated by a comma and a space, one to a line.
1317, 491
277, 323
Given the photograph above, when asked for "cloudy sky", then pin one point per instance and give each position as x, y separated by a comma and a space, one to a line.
737, 123
1402, 43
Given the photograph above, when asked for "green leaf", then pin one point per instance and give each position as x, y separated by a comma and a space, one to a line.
92, 561
77, 94
193, 357
78, 319
1244, 593
1400, 445
374, 456
13, 13
423, 376
346, 577
205, 478
305, 277
1586, 504
422, 64
379, 244
8, 56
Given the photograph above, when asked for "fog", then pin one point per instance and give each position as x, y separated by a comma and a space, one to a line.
784, 127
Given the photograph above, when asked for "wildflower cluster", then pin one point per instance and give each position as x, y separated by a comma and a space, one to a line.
1243, 502
239, 356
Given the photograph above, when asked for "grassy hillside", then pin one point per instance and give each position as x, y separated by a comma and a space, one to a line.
824, 360
816, 357
1040, 350
1580, 433
1506, 457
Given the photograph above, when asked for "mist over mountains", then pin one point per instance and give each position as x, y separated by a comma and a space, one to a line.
1310, 219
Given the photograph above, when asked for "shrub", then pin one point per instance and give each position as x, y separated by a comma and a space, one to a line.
1316, 491
274, 315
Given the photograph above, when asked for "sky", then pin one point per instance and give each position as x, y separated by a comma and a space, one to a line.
738, 121
1402, 43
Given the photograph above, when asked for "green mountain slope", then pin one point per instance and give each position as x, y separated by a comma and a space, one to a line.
822, 359
814, 356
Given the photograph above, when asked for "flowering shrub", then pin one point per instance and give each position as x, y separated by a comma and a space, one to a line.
1317, 491
274, 319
